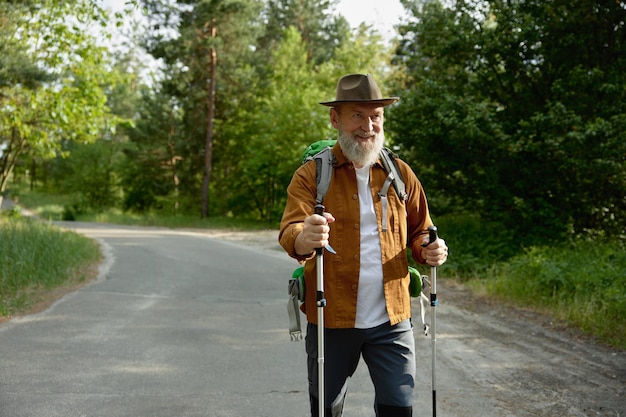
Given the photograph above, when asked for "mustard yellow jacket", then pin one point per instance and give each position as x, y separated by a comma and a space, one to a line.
407, 223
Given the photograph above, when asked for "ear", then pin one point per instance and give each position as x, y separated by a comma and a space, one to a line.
334, 118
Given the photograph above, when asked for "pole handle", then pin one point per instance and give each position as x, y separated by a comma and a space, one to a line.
432, 235
319, 209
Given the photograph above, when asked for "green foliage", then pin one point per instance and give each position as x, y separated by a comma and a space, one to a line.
516, 110
320, 30
150, 169
58, 94
90, 174
37, 255
475, 245
226, 30
582, 284
286, 117
274, 67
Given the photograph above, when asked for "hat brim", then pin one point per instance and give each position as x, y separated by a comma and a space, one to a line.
383, 101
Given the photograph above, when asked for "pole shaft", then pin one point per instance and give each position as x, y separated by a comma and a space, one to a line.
432, 236
433, 334
321, 302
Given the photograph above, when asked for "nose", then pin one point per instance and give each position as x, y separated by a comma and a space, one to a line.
368, 124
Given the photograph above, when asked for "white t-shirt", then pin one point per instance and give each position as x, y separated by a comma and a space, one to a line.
371, 309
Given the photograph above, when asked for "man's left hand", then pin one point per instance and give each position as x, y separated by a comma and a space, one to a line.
436, 253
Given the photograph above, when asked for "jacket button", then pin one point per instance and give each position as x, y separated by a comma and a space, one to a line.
355, 196
354, 287
356, 257
356, 226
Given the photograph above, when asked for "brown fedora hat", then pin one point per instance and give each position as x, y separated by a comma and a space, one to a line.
359, 88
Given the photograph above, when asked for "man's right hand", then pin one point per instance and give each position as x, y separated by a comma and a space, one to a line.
315, 233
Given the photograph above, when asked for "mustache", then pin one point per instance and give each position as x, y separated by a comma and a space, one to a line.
364, 134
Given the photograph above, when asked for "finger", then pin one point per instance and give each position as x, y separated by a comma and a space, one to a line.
316, 219
438, 244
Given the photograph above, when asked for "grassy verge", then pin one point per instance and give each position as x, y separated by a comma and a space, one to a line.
579, 285
38, 258
582, 285
44, 205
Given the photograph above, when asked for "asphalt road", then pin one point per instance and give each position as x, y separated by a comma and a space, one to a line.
178, 325
189, 324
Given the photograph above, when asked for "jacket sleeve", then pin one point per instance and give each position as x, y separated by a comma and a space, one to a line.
300, 204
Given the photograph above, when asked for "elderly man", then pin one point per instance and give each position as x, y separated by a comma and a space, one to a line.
366, 281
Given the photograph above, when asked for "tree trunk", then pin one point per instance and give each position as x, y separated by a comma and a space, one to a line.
208, 149
33, 173
173, 161
9, 159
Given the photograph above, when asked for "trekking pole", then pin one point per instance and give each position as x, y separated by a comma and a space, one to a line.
432, 236
321, 303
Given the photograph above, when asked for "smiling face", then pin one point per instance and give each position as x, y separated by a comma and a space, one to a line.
361, 134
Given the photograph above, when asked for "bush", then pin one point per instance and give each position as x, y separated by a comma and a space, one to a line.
475, 245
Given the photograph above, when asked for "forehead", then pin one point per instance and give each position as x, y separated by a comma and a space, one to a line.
367, 108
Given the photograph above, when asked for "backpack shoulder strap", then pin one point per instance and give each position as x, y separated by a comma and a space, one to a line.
324, 161
389, 162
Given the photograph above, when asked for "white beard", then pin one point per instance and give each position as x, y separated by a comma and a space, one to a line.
361, 154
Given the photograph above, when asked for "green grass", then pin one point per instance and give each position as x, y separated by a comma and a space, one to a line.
44, 205
582, 285
36, 257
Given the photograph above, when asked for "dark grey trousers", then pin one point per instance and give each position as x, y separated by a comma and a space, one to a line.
388, 351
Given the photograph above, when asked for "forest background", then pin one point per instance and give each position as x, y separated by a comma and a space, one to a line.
512, 114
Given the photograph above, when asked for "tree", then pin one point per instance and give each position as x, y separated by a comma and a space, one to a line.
51, 84
149, 174
287, 116
89, 176
516, 110
269, 80
321, 30
207, 90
